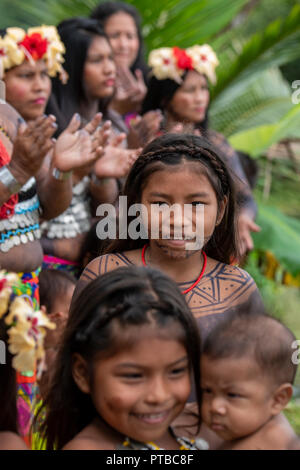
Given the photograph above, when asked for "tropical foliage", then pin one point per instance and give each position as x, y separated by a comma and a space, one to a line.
251, 103
257, 42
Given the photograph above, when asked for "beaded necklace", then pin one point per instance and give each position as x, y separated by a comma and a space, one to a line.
184, 442
197, 280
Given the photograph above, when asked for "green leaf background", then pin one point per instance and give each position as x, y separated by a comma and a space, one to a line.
251, 103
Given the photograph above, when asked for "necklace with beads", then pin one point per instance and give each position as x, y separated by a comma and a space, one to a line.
197, 280
184, 442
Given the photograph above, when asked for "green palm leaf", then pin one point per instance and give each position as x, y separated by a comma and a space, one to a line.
168, 23
188, 22
258, 104
280, 235
257, 140
277, 45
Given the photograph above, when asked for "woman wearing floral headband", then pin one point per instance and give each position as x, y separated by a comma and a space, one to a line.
22, 333
29, 59
29, 174
179, 86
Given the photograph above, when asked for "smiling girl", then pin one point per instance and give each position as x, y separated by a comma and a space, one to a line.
181, 170
180, 86
120, 395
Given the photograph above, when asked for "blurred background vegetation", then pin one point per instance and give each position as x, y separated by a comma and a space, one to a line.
258, 45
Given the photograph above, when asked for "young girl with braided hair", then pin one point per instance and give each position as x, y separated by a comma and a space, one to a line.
110, 390
185, 169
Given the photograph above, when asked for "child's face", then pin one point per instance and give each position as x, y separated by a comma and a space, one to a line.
141, 389
182, 184
237, 397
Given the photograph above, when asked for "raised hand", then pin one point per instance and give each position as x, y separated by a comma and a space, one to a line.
31, 145
100, 134
130, 89
144, 129
245, 226
116, 161
74, 148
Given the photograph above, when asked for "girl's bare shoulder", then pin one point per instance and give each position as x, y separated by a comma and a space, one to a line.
84, 443
92, 438
106, 263
229, 276
223, 287
11, 441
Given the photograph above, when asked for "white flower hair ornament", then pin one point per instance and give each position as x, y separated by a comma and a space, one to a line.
37, 43
172, 62
25, 327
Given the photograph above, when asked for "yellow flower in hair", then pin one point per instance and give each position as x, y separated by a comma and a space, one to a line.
26, 335
6, 281
204, 60
11, 54
173, 62
55, 50
163, 64
37, 43
16, 34
19, 311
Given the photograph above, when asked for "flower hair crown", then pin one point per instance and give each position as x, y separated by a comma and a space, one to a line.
25, 326
37, 43
172, 62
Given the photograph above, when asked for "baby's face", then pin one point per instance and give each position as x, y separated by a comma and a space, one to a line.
237, 397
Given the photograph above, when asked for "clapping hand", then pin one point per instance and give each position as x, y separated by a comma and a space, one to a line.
116, 161
144, 129
75, 149
31, 145
130, 89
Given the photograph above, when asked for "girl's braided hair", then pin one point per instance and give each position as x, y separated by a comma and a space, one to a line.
174, 149
99, 318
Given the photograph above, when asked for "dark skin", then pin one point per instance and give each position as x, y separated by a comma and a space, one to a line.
30, 148
27, 156
115, 162
204, 302
30, 157
222, 286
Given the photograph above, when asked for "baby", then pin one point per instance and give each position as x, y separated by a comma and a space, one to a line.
247, 376
56, 290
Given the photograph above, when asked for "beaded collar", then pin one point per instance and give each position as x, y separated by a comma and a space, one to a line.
184, 442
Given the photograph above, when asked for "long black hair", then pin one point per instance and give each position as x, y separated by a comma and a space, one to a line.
173, 149
106, 9
130, 296
161, 92
77, 35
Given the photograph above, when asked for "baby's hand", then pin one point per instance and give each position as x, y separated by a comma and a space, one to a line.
32, 143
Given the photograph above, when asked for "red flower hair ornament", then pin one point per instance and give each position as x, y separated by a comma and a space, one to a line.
34, 44
172, 62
